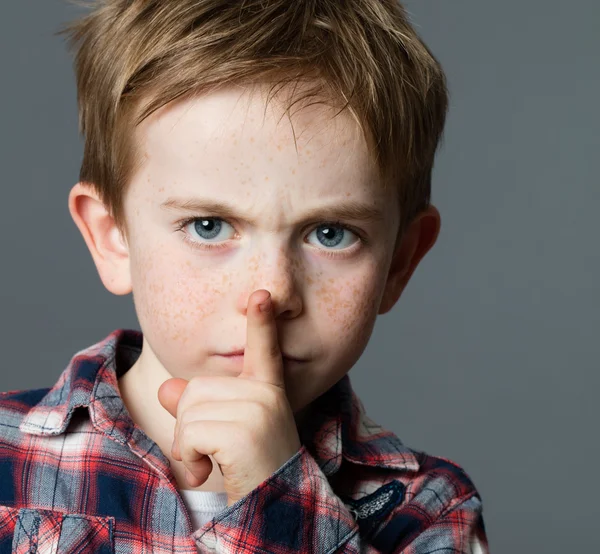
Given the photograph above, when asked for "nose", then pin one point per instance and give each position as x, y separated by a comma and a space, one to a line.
278, 271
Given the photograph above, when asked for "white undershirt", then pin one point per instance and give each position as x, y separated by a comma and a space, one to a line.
203, 505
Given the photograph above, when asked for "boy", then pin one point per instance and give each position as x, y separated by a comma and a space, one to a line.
240, 155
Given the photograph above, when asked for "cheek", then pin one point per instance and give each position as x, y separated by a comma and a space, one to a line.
347, 310
345, 313
173, 301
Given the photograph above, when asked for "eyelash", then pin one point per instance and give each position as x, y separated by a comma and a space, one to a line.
181, 225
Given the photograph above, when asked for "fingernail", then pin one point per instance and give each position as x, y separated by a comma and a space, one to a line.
266, 305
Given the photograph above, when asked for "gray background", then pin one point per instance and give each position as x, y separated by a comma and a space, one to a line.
488, 358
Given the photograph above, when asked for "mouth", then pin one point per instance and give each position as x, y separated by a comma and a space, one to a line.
239, 357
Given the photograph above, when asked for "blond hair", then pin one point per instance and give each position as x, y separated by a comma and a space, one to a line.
134, 56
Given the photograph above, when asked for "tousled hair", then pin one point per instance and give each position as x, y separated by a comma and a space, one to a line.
133, 57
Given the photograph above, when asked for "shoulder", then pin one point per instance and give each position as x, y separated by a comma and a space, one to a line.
427, 486
438, 504
445, 474
437, 487
16, 447
22, 400
441, 495
30, 396
14, 405
428, 501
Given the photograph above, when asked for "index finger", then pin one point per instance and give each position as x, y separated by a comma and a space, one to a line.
262, 356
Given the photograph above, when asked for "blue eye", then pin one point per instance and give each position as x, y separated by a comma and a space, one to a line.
207, 228
330, 234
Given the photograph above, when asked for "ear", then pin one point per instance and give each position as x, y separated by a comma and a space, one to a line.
418, 239
107, 246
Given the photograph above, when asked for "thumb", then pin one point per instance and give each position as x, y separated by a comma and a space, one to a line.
170, 392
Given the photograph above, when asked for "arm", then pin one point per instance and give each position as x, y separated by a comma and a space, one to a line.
295, 510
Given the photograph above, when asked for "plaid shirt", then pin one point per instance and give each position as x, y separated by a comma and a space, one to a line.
77, 475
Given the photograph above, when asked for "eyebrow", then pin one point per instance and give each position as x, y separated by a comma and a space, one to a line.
352, 210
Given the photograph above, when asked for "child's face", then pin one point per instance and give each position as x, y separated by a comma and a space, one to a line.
326, 284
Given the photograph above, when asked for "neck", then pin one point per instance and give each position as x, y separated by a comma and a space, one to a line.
139, 392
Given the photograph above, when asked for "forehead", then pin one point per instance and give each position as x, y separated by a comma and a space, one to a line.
228, 136
233, 113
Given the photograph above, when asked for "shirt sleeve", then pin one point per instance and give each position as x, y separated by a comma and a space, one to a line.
296, 510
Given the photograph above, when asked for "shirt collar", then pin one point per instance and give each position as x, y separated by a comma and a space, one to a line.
335, 426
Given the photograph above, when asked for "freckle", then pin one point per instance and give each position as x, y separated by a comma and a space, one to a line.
251, 139
266, 178
293, 172
279, 147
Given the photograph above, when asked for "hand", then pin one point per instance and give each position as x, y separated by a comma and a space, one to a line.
245, 423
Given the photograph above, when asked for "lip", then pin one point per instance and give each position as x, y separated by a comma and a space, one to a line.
234, 353
240, 356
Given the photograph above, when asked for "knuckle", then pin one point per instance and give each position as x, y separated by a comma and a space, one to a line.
183, 419
190, 415
272, 399
264, 418
261, 415
186, 434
